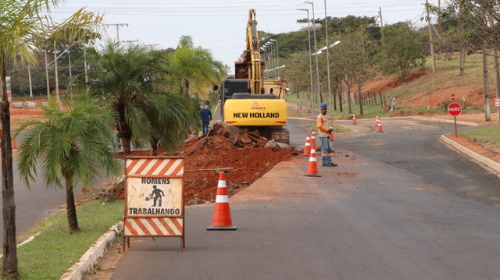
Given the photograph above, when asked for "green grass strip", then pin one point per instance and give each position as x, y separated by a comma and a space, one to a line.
55, 250
336, 128
489, 134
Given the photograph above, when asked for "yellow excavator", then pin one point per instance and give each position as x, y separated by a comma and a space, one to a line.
251, 102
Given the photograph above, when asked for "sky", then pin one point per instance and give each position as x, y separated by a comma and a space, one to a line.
220, 26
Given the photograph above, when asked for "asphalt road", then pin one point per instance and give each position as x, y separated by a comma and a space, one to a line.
400, 205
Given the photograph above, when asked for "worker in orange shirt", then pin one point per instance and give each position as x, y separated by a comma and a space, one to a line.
324, 135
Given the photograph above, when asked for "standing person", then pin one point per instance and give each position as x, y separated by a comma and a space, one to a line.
205, 117
324, 135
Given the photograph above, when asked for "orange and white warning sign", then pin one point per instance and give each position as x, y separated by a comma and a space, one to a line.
154, 204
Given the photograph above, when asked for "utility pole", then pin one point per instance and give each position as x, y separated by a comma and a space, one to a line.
130, 41
151, 45
380, 14
118, 25
430, 37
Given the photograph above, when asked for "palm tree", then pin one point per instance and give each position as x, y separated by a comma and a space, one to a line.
169, 127
195, 68
74, 144
132, 82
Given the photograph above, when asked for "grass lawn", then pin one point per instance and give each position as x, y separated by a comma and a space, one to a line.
55, 250
489, 134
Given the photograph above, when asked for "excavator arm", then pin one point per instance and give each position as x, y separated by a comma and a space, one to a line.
251, 67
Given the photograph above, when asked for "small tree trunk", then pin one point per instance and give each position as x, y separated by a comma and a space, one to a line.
340, 97
9, 263
70, 206
335, 98
360, 101
487, 113
349, 98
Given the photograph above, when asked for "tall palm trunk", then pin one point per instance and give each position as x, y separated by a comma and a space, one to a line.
9, 264
70, 205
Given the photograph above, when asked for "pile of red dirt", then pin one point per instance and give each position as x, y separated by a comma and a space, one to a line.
244, 157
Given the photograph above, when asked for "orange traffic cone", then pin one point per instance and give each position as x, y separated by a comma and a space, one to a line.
307, 146
14, 144
353, 119
331, 134
312, 168
222, 215
313, 140
379, 129
377, 120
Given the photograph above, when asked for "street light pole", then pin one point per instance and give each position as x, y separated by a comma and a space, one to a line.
310, 59
277, 55
316, 51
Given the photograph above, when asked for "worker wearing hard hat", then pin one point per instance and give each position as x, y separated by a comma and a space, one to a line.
324, 135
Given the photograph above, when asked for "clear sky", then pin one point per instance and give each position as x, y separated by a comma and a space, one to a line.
220, 26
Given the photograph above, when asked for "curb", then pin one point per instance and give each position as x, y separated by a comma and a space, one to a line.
485, 162
444, 121
86, 262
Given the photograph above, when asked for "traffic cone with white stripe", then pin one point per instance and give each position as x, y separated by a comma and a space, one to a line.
313, 140
312, 168
307, 147
331, 134
377, 120
379, 129
353, 119
222, 215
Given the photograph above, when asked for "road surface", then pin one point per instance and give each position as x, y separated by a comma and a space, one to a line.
400, 205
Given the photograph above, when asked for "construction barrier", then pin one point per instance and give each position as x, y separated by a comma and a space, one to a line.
379, 129
307, 146
222, 214
312, 168
154, 198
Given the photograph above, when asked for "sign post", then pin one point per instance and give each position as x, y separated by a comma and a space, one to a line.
455, 109
154, 198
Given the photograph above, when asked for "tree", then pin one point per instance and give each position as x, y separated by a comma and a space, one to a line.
195, 68
364, 61
402, 49
74, 144
132, 82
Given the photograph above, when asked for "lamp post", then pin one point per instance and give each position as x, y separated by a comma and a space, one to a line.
315, 50
277, 55
268, 58
310, 59
270, 44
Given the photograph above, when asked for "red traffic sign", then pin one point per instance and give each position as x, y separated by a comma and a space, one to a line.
497, 102
452, 97
454, 109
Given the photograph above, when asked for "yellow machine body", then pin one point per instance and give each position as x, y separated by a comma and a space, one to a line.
255, 112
